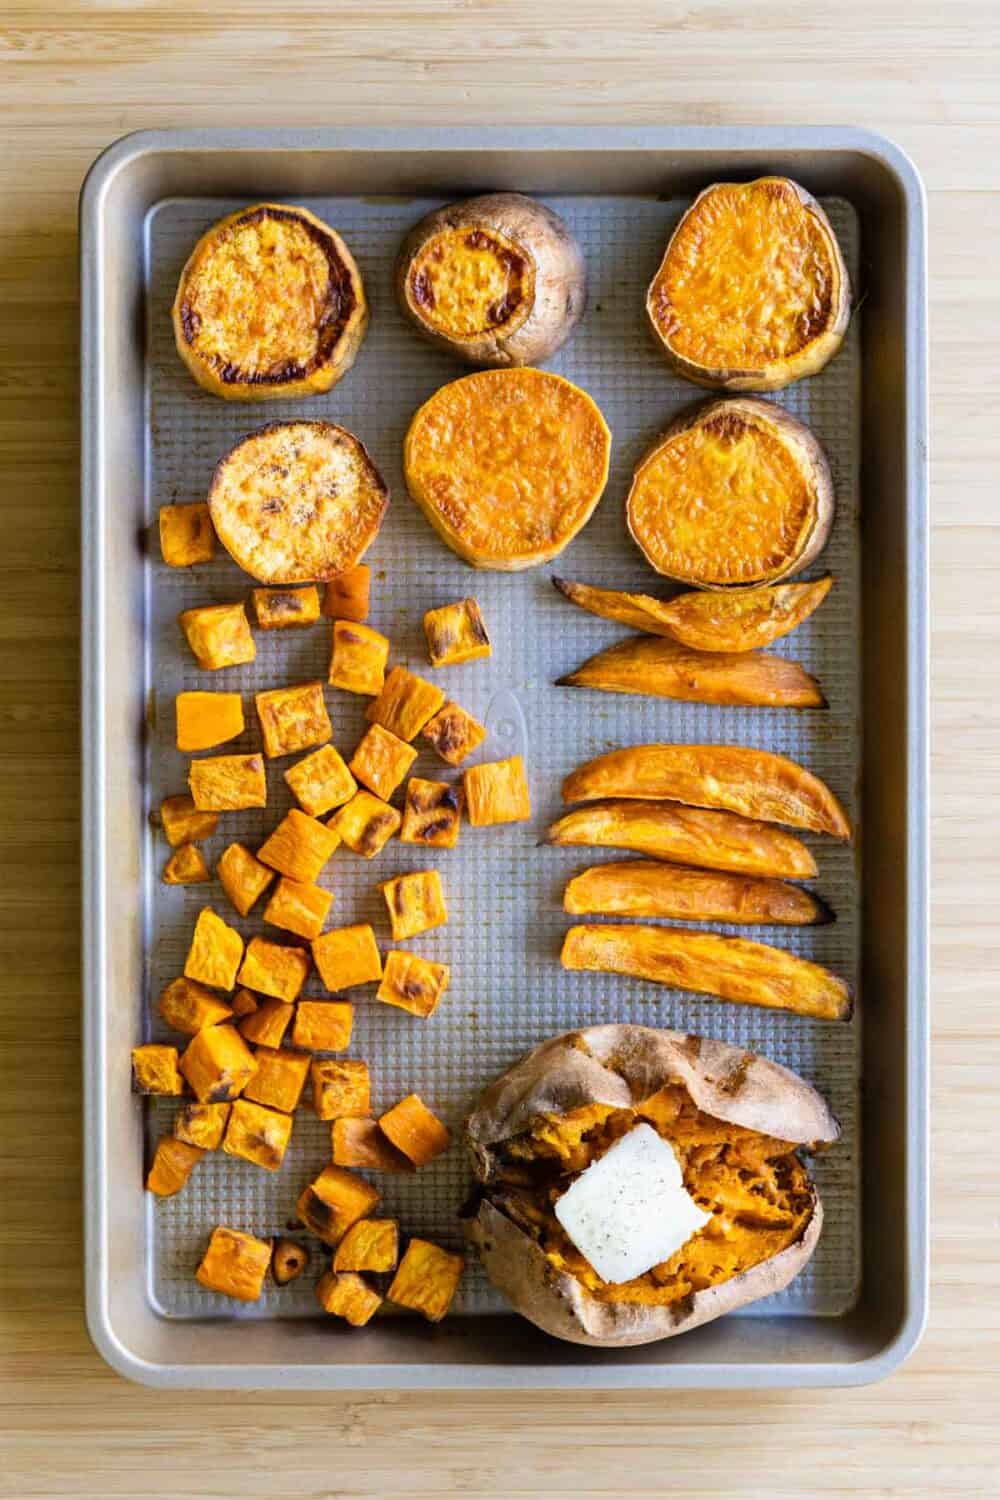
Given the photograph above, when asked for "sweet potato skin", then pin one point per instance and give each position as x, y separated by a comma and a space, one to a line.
652, 667
647, 888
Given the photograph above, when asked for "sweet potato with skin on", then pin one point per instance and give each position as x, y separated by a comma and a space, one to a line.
242, 876
228, 783
645, 888
405, 704
412, 983
183, 823
283, 609
432, 813
369, 1245
348, 1296
333, 1202
235, 1264
219, 635
288, 1260
298, 907
279, 1079
299, 847
218, 1064
293, 718
453, 734
359, 1142
173, 1164
456, 633
381, 761
202, 1125
341, 1087
186, 866
427, 1280
266, 1025
187, 1006
155, 1070
207, 719
186, 535
273, 969
415, 1130
358, 659
346, 956
323, 1025
321, 781
215, 952
257, 1134
347, 595
497, 792
415, 903
652, 667
365, 824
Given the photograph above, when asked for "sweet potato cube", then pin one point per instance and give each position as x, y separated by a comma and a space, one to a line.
228, 783
219, 635
267, 1025
202, 1125
381, 761
369, 1245
405, 704
186, 866
173, 1163
243, 1004
357, 662
359, 1142
323, 1025
432, 813
293, 718
279, 1079
497, 792
235, 1264
155, 1070
321, 781
278, 609
347, 1296
207, 719
215, 952
412, 983
272, 969
186, 535
415, 1130
341, 1086
336, 1200
347, 956
298, 907
288, 1260
242, 876
218, 1064
453, 733
347, 596
187, 1006
183, 823
257, 1134
299, 847
456, 633
365, 824
427, 1279
415, 903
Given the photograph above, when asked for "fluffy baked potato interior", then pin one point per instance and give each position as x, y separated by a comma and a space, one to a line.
468, 280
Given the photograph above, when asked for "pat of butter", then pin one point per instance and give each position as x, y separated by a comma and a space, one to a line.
630, 1210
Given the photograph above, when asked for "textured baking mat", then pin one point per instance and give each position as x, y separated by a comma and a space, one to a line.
508, 991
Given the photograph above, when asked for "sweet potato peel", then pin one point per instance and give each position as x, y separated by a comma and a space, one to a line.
652, 667
646, 888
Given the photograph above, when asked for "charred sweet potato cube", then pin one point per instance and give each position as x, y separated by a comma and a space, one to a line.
357, 663
219, 635
182, 822
279, 609
293, 718
415, 1130
202, 1125
381, 761
187, 1006
186, 866
228, 783
369, 1245
215, 952
173, 1163
298, 907
347, 1296
412, 983
218, 1064
155, 1071
405, 704
323, 1025
272, 969
186, 535
456, 633
347, 596
415, 903
427, 1279
299, 847
336, 1200
207, 719
266, 1026
288, 1260
346, 956
432, 813
359, 1142
341, 1086
279, 1079
321, 781
365, 824
257, 1134
497, 792
243, 1003
235, 1264
453, 733
242, 876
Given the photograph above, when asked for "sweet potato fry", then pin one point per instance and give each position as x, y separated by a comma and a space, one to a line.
646, 888
655, 668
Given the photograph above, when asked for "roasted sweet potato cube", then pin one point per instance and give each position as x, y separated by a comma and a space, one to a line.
219, 635
272, 969
218, 1064
321, 781
369, 1245
359, 1142
336, 1200
155, 1071
186, 535
242, 876
172, 1166
497, 792
347, 596
207, 719
323, 1025
182, 822
299, 847
347, 1296
456, 633
405, 704
228, 783
347, 956
415, 903
381, 761
257, 1134
412, 983
341, 1086
298, 907
202, 1125
215, 952
427, 1280
432, 813
279, 609
187, 1006
235, 1264
243, 1004
288, 1260
267, 1025
279, 1079
186, 866
358, 660
293, 718
453, 733
365, 824
415, 1130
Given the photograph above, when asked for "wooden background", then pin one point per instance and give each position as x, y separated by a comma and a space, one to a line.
72, 78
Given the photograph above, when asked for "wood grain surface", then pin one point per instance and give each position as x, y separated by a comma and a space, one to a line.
73, 77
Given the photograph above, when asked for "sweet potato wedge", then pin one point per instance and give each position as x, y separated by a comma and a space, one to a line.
710, 964
655, 668
647, 888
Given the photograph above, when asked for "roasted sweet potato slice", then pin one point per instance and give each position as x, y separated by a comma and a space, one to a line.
186, 1006
172, 1165
293, 718
365, 824
298, 907
381, 761
228, 783
284, 609
186, 866
415, 903
155, 1070
646, 888
405, 704
341, 1087
347, 1295
257, 1134
323, 1025
358, 658
456, 633
273, 969
279, 1079
497, 792
346, 956
235, 1264
288, 1260
207, 719
299, 847
453, 733
710, 964
369, 1245
415, 1130
347, 596
182, 822
333, 1202
432, 813
754, 783
359, 1142
242, 876
202, 1125
219, 635
321, 781
215, 952
186, 535
427, 1280
217, 1064
656, 668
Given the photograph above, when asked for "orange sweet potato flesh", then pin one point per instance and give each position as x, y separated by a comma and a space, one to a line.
647, 888
415, 1130
710, 964
654, 668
